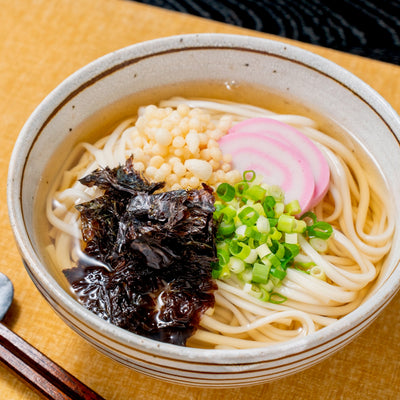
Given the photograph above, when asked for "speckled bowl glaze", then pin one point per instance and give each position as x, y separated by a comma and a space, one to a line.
316, 82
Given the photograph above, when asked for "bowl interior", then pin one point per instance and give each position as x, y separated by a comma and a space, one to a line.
281, 76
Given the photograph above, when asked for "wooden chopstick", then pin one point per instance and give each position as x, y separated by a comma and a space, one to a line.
42, 374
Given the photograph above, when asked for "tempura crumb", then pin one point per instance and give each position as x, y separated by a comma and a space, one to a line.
181, 147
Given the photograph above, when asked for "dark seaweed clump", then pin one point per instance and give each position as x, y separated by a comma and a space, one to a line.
150, 255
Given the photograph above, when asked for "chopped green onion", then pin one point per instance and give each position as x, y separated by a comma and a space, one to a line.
269, 286
215, 273
225, 273
252, 290
265, 260
226, 192
279, 209
246, 275
320, 229
275, 234
216, 270
247, 172
263, 225
268, 205
304, 265
251, 232
318, 272
265, 295
308, 217
258, 207
223, 245
278, 273
221, 272
253, 243
318, 244
255, 193
293, 208
223, 256
240, 188
291, 238
299, 226
260, 273
257, 237
275, 281
252, 257
226, 228
228, 213
236, 265
273, 222
248, 216
297, 268
241, 232
285, 223
239, 249
218, 207
276, 192
278, 249
291, 249
274, 260
277, 298
263, 250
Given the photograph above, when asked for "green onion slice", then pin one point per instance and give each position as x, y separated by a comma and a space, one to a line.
223, 256
226, 228
255, 193
278, 273
277, 298
252, 174
226, 192
260, 273
228, 212
248, 216
268, 205
239, 249
240, 188
309, 215
320, 229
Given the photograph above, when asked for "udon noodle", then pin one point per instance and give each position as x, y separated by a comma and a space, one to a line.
354, 206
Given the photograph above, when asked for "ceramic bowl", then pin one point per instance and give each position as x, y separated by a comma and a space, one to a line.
315, 82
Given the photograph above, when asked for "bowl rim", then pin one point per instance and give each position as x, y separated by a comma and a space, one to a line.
108, 63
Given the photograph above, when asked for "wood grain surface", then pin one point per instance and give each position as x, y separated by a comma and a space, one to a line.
39, 372
43, 42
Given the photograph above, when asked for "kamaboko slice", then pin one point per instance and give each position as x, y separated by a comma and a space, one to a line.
278, 164
291, 136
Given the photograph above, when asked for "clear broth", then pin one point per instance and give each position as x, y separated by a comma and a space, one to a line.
102, 123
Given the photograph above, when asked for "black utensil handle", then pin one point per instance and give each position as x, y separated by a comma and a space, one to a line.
42, 374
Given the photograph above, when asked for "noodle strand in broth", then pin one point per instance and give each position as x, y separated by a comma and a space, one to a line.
356, 209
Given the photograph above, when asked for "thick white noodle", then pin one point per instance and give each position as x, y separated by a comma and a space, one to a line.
240, 111
359, 214
333, 146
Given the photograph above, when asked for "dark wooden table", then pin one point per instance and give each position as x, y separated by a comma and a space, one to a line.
370, 28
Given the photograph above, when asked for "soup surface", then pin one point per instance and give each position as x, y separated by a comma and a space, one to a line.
262, 280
